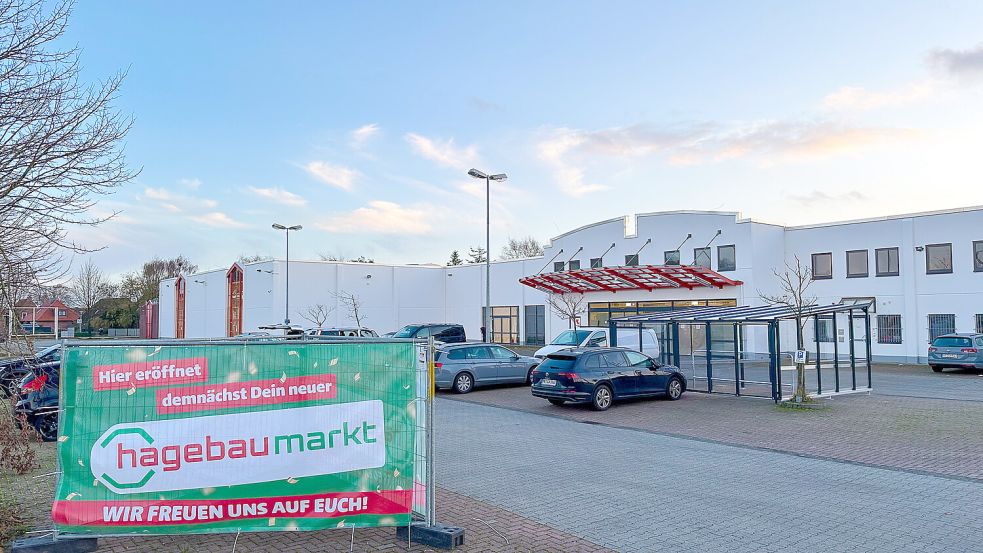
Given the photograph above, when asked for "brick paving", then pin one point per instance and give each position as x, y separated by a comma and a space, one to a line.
938, 436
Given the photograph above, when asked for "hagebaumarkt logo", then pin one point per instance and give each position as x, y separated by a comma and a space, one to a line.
226, 450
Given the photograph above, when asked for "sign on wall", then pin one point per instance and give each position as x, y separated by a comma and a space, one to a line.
230, 437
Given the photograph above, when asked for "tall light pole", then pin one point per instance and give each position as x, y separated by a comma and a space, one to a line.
488, 178
286, 299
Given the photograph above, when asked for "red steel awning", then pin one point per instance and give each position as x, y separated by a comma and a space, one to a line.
615, 279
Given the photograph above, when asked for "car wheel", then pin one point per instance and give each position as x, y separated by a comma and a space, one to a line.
936, 368
557, 401
674, 390
602, 398
463, 383
529, 375
47, 426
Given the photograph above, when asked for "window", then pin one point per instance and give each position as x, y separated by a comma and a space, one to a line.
824, 331
536, 324
504, 324
234, 312
979, 323
62, 312
822, 266
726, 258
938, 259
631, 260
573, 265
596, 263
614, 359
502, 353
952, 342
599, 340
889, 329
558, 267
179, 292
480, 352
701, 257
940, 324
672, 257
636, 359
887, 261
978, 256
856, 264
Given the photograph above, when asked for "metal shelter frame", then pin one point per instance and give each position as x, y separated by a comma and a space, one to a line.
770, 316
615, 279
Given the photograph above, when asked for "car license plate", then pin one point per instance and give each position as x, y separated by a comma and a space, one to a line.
949, 356
548, 382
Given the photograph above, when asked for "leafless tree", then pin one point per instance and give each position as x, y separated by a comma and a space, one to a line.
793, 284
521, 248
333, 257
353, 305
60, 146
243, 258
88, 287
569, 306
477, 255
143, 285
317, 314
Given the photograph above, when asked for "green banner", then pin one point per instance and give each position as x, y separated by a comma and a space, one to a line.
214, 437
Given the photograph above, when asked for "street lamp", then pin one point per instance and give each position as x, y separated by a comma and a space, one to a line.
488, 178
286, 299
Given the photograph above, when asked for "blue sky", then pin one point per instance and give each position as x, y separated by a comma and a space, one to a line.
360, 120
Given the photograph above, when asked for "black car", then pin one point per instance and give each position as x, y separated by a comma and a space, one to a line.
441, 332
38, 402
600, 376
12, 371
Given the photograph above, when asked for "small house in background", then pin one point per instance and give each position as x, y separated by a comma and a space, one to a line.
42, 319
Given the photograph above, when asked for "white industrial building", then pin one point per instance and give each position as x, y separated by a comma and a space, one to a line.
923, 272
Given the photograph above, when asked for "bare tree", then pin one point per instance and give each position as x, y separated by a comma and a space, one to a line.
793, 284
333, 257
521, 248
88, 287
353, 305
477, 255
568, 306
143, 285
317, 314
60, 145
243, 258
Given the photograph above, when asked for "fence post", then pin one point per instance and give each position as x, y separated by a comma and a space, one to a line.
737, 363
709, 349
431, 388
819, 353
778, 356
612, 333
773, 369
853, 354
674, 331
867, 324
836, 355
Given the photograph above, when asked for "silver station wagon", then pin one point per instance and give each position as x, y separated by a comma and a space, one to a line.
958, 351
465, 366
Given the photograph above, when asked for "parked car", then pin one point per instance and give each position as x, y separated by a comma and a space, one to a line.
352, 331
588, 337
12, 371
37, 400
601, 376
441, 332
962, 351
463, 367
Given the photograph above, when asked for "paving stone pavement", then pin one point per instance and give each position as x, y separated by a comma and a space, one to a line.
639, 491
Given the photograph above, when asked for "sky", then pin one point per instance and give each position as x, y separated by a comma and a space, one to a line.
360, 120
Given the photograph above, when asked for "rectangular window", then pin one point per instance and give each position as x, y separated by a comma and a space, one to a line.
856, 264
938, 259
573, 265
824, 330
701, 257
672, 257
557, 266
822, 266
979, 323
939, 325
727, 258
889, 329
535, 325
631, 260
978, 256
887, 262
504, 324
596, 263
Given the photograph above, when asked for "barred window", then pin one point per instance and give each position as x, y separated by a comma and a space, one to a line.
939, 325
558, 266
979, 323
824, 330
672, 257
701, 257
596, 262
631, 260
889, 329
573, 265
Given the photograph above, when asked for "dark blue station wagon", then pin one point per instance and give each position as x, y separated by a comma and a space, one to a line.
600, 376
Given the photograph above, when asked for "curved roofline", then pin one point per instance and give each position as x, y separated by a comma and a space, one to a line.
950, 211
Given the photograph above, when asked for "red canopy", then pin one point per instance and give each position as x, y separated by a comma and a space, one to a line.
613, 279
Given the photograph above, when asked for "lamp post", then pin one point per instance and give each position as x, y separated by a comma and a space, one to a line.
488, 178
286, 298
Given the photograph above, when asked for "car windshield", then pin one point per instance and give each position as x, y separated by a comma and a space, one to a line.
571, 338
559, 362
407, 331
952, 342
48, 351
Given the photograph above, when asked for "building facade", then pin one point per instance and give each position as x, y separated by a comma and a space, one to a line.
923, 272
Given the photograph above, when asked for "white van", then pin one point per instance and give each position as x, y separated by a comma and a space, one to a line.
592, 337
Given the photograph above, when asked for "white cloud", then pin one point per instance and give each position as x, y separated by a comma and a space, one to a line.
381, 217
335, 175
217, 219
193, 184
959, 64
177, 203
444, 153
858, 98
279, 195
362, 134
